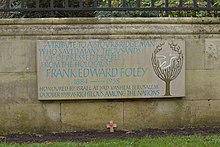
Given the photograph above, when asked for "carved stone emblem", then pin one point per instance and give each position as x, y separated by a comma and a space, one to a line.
167, 64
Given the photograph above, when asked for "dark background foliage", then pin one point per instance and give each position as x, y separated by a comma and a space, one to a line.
103, 4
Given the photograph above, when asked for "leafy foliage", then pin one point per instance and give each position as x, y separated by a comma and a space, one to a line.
186, 4
161, 4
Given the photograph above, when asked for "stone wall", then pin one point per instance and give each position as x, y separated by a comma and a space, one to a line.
21, 111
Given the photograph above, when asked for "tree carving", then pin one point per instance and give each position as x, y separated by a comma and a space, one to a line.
167, 67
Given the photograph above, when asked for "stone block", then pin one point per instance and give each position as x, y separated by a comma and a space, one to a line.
171, 114
91, 116
18, 88
24, 118
155, 114
17, 56
204, 113
202, 84
195, 54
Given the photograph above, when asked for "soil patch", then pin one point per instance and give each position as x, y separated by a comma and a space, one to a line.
88, 136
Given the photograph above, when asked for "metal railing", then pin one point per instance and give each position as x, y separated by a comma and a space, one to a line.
54, 7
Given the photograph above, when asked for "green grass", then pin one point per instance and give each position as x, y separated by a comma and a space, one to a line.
169, 141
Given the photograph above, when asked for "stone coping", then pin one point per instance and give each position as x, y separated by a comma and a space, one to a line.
115, 20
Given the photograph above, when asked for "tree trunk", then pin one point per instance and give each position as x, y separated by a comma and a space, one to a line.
167, 93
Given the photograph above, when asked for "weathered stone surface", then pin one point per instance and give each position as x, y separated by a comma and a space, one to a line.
18, 88
20, 110
52, 110
114, 20
212, 54
18, 118
202, 84
106, 36
195, 54
171, 114
109, 29
90, 115
204, 113
17, 56
155, 114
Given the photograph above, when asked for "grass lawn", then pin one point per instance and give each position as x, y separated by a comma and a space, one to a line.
169, 141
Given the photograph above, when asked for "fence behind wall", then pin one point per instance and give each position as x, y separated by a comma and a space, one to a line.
62, 8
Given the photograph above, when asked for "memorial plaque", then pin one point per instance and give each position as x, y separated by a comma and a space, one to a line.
110, 69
